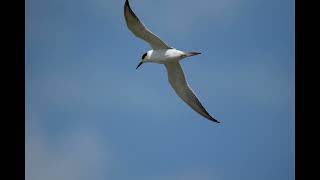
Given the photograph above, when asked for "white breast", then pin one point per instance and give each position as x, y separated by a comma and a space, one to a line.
165, 55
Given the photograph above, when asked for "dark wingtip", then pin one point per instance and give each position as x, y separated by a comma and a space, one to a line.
216, 121
126, 4
213, 119
208, 116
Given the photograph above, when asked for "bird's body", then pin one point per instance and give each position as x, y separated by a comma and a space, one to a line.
161, 53
163, 56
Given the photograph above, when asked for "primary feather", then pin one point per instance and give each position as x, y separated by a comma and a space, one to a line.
140, 30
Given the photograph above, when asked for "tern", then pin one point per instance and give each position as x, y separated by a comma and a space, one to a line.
161, 53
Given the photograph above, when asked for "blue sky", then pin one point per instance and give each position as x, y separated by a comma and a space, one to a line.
91, 115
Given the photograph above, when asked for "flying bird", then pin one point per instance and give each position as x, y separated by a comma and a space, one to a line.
161, 53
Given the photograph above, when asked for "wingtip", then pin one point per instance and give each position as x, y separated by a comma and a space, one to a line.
213, 119
127, 9
126, 4
208, 116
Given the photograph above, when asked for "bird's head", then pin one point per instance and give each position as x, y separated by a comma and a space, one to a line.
144, 58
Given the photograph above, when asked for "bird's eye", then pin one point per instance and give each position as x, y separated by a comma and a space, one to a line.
144, 55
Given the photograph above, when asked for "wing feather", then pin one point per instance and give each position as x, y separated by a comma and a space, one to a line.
140, 30
180, 85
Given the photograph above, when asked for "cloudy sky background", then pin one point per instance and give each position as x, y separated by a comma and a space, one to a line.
91, 115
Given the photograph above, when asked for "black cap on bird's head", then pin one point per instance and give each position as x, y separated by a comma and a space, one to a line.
142, 58
144, 55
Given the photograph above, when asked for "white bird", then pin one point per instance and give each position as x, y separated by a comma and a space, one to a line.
161, 53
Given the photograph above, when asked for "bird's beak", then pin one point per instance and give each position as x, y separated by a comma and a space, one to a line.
139, 65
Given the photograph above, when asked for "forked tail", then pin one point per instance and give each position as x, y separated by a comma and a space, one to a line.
192, 53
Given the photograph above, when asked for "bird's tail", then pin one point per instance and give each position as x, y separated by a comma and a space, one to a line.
192, 53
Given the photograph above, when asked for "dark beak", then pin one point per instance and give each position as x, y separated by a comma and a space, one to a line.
139, 65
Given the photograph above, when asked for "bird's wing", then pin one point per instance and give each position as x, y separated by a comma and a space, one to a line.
138, 29
180, 85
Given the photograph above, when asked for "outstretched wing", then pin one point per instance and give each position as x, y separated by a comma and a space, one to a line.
138, 29
180, 85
